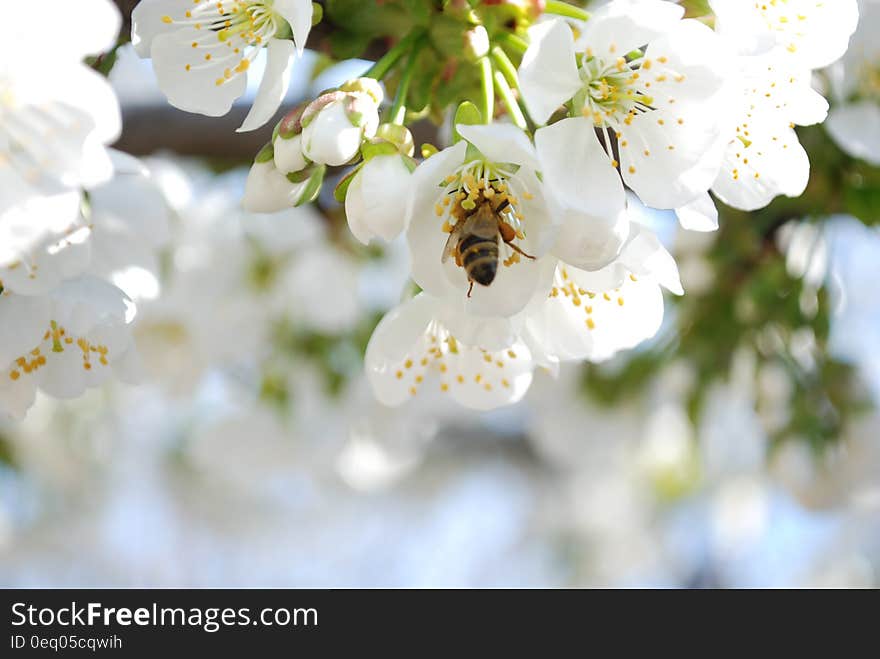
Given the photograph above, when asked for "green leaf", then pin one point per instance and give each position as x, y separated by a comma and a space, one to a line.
467, 114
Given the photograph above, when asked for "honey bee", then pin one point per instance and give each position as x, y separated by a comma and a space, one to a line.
474, 243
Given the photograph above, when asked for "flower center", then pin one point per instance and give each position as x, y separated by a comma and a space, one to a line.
614, 91
57, 340
476, 183
242, 26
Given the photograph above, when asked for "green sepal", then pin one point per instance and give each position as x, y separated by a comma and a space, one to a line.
378, 147
410, 163
283, 31
341, 189
313, 187
299, 177
467, 114
265, 154
317, 13
428, 150
473, 153
291, 123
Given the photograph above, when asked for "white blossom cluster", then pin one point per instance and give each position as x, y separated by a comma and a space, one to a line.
521, 235
77, 220
523, 244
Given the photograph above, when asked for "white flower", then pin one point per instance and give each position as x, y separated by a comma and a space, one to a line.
594, 315
494, 164
56, 114
375, 203
64, 342
335, 125
658, 110
854, 122
814, 33
202, 50
426, 342
763, 157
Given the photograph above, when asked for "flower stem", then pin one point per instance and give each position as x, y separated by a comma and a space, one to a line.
512, 42
564, 9
487, 105
503, 63
398, 109
381, 68
510, 101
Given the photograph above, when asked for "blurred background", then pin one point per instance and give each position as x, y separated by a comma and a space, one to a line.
739, 448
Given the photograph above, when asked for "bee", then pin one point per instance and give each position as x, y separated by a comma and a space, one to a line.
474, 243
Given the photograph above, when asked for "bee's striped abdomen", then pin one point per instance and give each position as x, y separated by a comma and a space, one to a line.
479, 256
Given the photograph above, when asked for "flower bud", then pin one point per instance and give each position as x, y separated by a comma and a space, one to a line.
335, 124
267, 190
367, 86
375, 203
476, 43
399, 136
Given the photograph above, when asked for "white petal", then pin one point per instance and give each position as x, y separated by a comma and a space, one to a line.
16, 397
399, 336
298, 14
288, 154
548, 75
624, 25
81, 28
856, 128
774, 163
412, 349
585, 191
815, 33
502, 143
147, 23
23, 321
514, 287
486, 380
330, 138
196, 89
645, 256
268, 191
273, 86
595, 326
375, 204
672, 154
699, 215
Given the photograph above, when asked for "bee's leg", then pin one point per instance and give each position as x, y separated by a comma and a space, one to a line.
471, 288
518, 250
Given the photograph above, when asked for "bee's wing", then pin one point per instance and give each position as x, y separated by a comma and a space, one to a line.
453, 240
